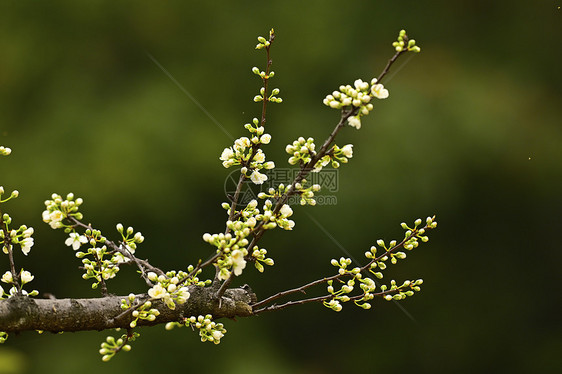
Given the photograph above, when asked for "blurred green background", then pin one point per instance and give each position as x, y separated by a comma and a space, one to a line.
472, 132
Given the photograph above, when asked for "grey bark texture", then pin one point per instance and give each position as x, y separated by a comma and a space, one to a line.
56, 315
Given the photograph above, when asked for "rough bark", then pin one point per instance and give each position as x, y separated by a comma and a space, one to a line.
56, 315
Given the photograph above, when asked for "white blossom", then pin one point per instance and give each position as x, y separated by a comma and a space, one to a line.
217, 335
238, 262
75, 240
157, 292
257, 177
227, 154
260, 156
369, 285
53, 218
7, 277
378, 90
28, 232
26, 245
26, 277
360, 85
347, 150
183, 295
241, 144
354, 121
286, 211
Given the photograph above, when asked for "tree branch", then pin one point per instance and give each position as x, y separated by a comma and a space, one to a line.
56, 315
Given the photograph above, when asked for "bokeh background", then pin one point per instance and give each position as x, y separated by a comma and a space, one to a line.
472, 132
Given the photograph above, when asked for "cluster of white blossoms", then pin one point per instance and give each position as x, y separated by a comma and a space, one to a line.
247, 152
21, 237
359, 96
24, 277
168, 289
232, 247
303, 150
58, 209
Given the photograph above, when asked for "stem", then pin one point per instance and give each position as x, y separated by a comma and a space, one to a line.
389, 64
224, 286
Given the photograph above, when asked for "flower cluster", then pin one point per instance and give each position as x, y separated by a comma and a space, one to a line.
301, 151
231, 248
246, 152
403, 43
130, 238
24, 277
208, 329
111, 345
169, 288
103, 264
100, 262
58, 209
357, 97
279, 219
307, 193
21, 236
259, 256
339, 155
142, 311
5, 151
